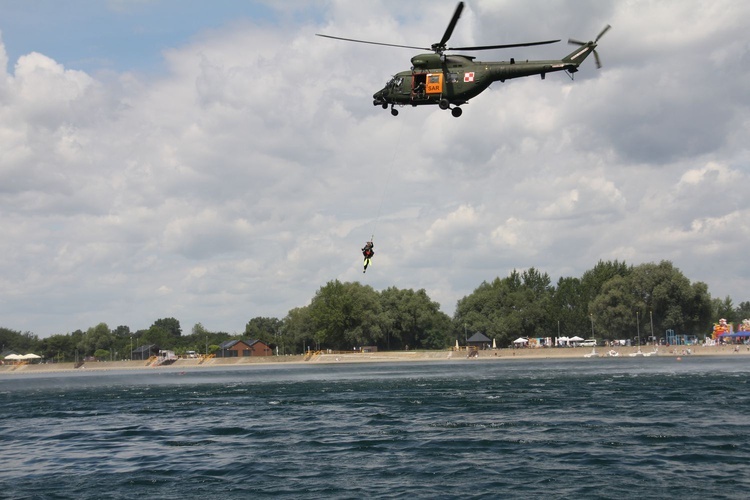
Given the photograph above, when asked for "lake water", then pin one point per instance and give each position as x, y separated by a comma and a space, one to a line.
572, 428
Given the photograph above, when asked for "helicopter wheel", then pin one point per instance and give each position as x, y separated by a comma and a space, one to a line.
394, 111
385, 105
456, 111
444, 104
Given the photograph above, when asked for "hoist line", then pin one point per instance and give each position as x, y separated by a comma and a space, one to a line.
387, 180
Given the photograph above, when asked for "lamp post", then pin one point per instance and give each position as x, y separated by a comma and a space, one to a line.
651, 314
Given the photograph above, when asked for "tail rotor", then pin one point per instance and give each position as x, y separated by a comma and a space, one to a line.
592, 44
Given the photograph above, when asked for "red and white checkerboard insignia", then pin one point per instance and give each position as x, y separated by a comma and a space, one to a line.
469, 77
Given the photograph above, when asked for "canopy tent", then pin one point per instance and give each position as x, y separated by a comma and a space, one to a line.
576, 339
735, 335
13, 357
521, 340
30, 356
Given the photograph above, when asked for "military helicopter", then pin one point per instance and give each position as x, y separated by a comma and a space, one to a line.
451, 79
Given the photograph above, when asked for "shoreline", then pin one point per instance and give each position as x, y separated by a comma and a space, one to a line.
505, 354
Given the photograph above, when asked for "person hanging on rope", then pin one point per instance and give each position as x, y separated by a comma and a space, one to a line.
368, 252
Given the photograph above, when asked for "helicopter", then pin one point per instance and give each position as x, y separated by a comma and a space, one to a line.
450, 80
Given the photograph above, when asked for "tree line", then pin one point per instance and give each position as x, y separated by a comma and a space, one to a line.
611, 301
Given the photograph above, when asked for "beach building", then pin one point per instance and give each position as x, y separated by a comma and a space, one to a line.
243, 348
479, 340
144, 352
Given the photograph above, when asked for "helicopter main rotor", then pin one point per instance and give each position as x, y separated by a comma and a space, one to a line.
440, 47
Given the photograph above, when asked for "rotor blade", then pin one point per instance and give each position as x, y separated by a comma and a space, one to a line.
506, 46
606, 28
598, 61
451, 25
373, 43
573, 41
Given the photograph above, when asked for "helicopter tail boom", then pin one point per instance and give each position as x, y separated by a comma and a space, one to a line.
580, 54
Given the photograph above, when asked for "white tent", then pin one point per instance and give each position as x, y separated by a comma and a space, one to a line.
521, 340
576, 339
30, 356
13, 357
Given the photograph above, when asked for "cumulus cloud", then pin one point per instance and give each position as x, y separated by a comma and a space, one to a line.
251, 170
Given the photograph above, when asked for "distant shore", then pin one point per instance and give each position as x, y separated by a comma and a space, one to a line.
384, 357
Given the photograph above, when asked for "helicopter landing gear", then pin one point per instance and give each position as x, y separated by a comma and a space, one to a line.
445, 104
385, 105
394, 111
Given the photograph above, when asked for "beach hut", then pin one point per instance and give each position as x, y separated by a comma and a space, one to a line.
144, 352
243, 348
478, 340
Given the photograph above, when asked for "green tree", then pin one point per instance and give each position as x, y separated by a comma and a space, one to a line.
616, 310
344, 316
97, 337
518, 305
410, 319
58, 347
102, 354
169, 325
297, 330
569, 308
666, 293
594, 279
265, 329
21, 342
723, 308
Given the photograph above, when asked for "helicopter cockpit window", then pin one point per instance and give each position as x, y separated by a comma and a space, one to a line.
395, 82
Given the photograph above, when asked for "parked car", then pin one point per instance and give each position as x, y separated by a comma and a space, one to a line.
588, 343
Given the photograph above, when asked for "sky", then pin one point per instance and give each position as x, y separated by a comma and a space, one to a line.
216, 161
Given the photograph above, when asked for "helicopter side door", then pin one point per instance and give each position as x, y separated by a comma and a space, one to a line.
426, 86
434, 83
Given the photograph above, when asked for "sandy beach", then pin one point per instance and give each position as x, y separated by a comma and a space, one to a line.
387, 357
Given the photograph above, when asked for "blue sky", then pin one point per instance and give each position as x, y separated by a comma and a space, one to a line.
119, 35
216, 161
